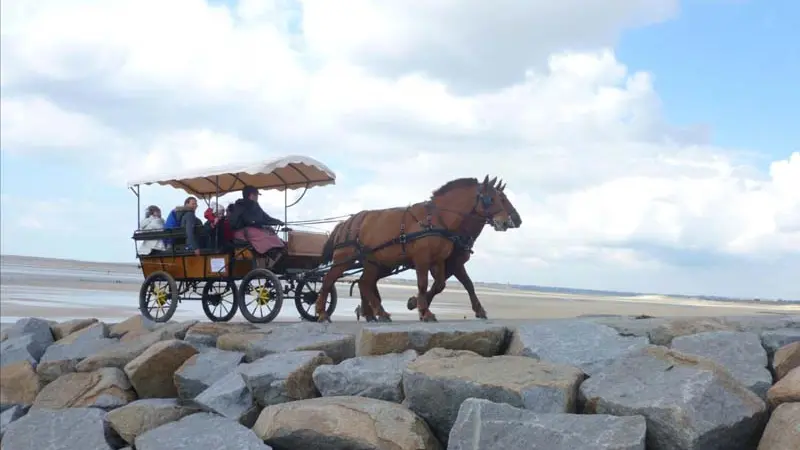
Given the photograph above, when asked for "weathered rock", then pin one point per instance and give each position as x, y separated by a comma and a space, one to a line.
739, 352
379, 377
783, 430
344, 423
230, 397
151, 373
775, 339
201, 371
666, 332
63, 356
19, 384
142, 416
786, 359
283, 377
108, 388
201, 431
630, 326
303, 337
39, 328
787, 390
21, 349
207, 333
64, 329
483, 338
131, 324
65, 429
435, 387
485, 424
759, 324
120, 355
579, 343
689, 402
237, 342
10, 414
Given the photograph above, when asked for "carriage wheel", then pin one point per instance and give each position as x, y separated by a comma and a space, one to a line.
219, 300
260, 292
305, 297
159, 294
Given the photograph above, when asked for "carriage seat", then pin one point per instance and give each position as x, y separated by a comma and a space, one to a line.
306, 243
178, 237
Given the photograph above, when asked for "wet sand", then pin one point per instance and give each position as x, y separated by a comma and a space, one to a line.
62, 290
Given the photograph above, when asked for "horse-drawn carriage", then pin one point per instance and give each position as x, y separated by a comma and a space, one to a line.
434, 235
178, 273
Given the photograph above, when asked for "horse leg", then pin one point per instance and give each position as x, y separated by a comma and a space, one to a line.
383, 316
328, 281
439, 278
460, 271
364, 307
368, 283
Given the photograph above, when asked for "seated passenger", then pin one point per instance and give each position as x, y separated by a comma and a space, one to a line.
152, 221
218, 225
183, 217
250, 223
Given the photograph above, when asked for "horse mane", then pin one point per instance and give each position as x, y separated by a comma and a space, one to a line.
454, 184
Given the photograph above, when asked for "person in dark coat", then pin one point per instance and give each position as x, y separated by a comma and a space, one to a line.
249, 222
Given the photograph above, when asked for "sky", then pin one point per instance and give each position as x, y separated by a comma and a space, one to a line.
648, 144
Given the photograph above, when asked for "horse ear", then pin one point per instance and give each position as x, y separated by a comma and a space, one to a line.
485, 180
501, 186
492, 182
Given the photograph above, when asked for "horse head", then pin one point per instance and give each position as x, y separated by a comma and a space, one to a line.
491, 206
515, 221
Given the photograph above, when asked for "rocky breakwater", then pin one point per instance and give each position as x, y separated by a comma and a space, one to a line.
587, 383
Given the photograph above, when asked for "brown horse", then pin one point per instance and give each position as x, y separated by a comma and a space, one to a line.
420, 235
455, 264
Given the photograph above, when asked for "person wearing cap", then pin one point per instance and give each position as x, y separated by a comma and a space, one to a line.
250, 223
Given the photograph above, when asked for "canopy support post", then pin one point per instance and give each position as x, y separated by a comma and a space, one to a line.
285, 212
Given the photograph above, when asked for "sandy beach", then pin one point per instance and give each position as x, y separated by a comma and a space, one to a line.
62, 290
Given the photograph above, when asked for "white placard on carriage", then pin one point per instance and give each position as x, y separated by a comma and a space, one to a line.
217, 264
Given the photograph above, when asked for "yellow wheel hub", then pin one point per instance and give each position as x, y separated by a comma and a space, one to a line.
262, 295
161, 296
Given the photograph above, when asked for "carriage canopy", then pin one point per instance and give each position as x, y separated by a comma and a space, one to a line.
290, 172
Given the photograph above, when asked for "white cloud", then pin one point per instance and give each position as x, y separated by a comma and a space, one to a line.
399, 100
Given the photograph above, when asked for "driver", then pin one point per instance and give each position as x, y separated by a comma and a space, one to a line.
250, 223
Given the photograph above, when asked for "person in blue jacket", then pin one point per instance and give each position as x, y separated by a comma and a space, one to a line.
184, 216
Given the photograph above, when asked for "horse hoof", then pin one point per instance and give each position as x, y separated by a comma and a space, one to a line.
428, 318
411, 303
323, 319
384, 319
481, 316
371, 319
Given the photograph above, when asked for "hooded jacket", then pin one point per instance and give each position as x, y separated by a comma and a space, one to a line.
184, 217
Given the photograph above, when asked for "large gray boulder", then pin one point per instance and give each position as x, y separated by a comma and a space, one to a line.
26, 340
482, 424
739, 352
64, 356
202, 370
66, 429
229, 397
201, 431
483, 338
283, 377
436, 384
579, 343
303, 337
9, 414
379, 377
690, 403
775, 339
